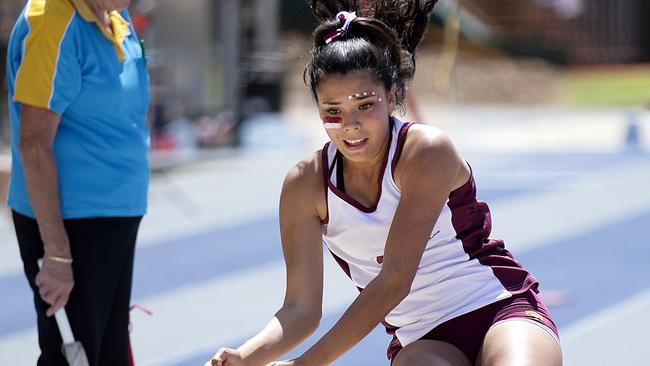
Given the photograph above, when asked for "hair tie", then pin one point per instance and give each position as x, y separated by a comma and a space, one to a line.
344, 18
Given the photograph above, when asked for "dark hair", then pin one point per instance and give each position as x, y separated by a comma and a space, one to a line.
382, 40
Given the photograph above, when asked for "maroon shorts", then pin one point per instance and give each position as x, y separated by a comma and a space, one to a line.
467, 331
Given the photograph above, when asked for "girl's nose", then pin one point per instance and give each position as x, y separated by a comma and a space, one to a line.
351, 123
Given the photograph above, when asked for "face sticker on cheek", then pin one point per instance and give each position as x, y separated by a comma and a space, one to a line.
332, 122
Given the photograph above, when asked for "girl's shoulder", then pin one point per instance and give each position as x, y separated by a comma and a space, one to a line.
426, 139
307, 171
428, 148
305, 183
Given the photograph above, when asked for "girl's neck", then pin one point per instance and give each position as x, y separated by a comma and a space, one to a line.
367, 168
370, 168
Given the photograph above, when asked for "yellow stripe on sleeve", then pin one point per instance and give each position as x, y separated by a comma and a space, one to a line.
48, 21
119, 26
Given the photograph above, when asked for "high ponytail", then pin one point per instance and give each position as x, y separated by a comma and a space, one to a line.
382, 39
409, 18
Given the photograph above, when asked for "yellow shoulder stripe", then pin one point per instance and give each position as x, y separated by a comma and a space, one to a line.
119, 26
48, 22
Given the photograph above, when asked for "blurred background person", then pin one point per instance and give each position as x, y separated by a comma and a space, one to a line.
78, 90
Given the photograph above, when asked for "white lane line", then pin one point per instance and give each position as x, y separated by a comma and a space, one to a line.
527, 222
538, 129
20, 348
216, 194
218, 313
10, 262
207, 196
207, 315
613, 336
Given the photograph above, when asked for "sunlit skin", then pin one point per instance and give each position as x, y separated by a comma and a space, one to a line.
337, 121
364, 105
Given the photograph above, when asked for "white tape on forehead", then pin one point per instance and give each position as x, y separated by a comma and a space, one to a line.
362, 95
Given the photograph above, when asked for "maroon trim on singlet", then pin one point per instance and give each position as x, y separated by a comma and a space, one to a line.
344, 196
390, 329
395, 345
472, 223
345, 266
401, 140
326, 169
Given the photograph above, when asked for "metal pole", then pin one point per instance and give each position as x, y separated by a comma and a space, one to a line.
229, 33
266, 25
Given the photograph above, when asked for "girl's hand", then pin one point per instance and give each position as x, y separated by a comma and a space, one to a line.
226, 357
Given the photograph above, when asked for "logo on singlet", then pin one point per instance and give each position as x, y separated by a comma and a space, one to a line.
535, 315
434, 234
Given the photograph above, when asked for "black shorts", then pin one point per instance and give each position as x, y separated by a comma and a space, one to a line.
98, 307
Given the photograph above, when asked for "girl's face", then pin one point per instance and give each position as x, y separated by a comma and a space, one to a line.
355, 109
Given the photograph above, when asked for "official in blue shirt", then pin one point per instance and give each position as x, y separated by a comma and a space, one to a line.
79, 93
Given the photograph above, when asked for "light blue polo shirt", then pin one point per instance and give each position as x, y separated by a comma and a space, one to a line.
60, 58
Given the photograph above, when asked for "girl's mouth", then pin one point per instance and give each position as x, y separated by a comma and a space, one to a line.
355, 144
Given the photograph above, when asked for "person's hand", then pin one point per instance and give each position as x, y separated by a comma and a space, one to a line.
55, 282
226, 357
282, 363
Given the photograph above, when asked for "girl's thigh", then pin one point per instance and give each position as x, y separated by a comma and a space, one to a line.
429, 352
519, 342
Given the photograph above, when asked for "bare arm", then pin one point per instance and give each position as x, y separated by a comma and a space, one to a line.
429, 170
37, 130
303, 254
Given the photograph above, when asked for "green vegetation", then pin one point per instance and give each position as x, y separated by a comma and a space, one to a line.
616, 87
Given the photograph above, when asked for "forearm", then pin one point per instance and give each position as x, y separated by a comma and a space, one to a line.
43, 190
286, 330
369, 309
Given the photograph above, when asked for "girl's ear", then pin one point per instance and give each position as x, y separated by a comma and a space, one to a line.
392, 99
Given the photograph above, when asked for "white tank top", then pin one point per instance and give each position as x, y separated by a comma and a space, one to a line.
450, 280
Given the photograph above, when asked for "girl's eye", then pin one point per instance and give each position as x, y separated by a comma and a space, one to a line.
365, 106
332, 111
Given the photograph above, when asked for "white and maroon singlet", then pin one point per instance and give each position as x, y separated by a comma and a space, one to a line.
461, 269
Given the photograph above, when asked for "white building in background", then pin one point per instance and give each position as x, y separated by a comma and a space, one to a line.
205, 53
